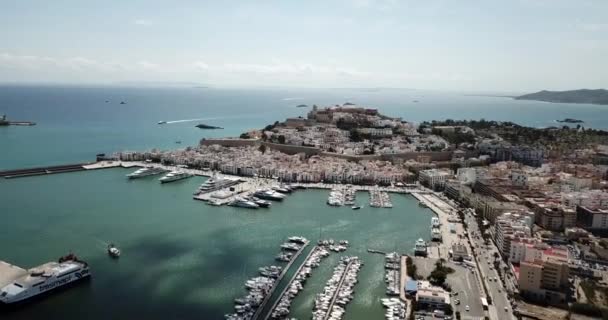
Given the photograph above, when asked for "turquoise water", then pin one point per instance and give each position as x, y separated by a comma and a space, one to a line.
75, 123
181, 258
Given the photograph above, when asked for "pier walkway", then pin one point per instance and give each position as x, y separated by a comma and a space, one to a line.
335, 296
260, 309
288, 285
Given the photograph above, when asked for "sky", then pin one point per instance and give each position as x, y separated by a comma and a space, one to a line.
462, 45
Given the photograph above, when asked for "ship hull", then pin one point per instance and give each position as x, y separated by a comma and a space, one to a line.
38, 295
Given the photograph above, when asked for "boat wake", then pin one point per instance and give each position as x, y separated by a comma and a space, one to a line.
291, 99
191, 120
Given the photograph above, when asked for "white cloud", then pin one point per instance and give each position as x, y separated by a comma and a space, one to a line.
201, 65
147, 65
142, 22
292, 69
593, 27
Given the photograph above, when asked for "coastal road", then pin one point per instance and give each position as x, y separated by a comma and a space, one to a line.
485, 255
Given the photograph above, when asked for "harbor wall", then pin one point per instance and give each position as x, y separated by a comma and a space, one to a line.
229, 142
293, 149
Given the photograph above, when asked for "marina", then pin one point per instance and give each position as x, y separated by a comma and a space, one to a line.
281, 308
339, 290
302, 214
262, 288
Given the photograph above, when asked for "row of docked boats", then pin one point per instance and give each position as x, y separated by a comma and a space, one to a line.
261, 286
335, 246
380, 199
261, 198
392, 266
338, 290
174, 175
282, 308
395, 309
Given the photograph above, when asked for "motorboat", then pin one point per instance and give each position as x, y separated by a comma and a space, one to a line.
113, 251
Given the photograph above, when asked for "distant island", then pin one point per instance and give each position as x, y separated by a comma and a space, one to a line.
598, 96
205, 126
570, 120
301, 106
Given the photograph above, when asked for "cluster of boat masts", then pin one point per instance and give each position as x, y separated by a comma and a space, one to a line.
173, 175
282, 308
380, 199
392, 265
338, 291
260, 287
343, 196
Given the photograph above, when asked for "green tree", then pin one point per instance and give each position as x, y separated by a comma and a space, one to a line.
282, 139
262, 148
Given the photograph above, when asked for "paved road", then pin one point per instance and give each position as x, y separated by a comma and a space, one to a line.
495, 287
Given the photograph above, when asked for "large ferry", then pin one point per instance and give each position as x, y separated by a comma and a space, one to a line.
17, 284
175, 176
420, 248
144, 172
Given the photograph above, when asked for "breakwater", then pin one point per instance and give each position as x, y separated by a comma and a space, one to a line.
19, 173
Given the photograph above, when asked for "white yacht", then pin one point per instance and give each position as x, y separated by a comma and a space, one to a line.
243, 203
269, 195
435, 222
144, 172
174, 176
25, 284
420, 248
435, 234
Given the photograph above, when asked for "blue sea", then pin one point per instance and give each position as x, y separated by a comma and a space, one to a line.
75, 123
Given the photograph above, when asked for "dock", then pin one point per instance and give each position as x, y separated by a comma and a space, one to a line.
20, 173
259, 310
328, 314
274, 305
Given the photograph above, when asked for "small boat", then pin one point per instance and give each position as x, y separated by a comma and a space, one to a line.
162, 122
122, 102
178, 141
113, 251
356, 207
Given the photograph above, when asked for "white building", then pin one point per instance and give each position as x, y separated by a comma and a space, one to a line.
466, 175
509, 226
434, 178
433, 297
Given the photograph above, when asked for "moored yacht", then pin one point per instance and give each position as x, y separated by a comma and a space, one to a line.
420, 248
269, 195
26, 284
144, 172
243, 203
175, 176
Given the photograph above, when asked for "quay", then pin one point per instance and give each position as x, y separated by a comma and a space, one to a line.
337, 292
20, 173
274, 305
259, 310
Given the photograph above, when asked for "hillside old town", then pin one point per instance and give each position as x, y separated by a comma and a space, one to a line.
537, 196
